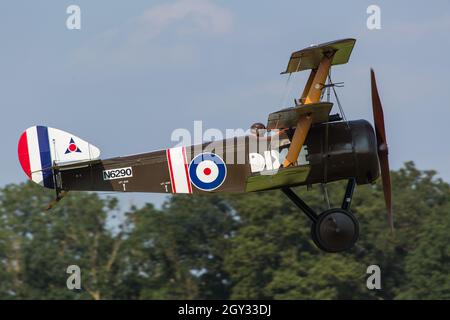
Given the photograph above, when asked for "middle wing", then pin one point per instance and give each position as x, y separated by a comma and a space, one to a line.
288, 117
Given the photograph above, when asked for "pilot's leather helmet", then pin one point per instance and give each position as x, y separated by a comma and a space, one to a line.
258, 129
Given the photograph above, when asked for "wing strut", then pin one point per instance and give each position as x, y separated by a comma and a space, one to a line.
314, 89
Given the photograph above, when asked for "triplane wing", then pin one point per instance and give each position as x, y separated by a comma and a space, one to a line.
288, 117
309, 58
318, 59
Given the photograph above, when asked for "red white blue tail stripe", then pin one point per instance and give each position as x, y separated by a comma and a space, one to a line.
40, 148
35, 155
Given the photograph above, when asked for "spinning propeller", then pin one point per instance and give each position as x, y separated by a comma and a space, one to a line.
382, 147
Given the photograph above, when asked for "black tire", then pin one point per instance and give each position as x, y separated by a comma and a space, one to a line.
335, 230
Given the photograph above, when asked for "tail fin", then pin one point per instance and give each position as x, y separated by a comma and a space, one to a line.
40, 148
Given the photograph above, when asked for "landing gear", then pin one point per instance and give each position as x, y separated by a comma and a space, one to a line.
333, 230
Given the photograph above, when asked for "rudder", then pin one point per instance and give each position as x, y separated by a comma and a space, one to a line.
42, 147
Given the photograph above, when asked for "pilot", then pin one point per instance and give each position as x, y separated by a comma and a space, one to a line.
258, 129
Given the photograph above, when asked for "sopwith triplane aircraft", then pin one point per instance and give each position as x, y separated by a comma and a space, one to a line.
312, 147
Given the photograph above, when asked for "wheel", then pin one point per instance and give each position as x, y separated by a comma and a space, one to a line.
335, 230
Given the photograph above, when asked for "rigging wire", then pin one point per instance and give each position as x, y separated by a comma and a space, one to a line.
325, 194
287, 90
288, 84
332, 85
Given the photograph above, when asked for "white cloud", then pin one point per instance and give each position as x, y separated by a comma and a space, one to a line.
139, 42
203, 15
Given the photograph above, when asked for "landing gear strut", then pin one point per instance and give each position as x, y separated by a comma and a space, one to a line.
334, 230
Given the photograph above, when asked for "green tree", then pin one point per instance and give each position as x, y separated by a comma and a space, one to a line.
39, 245
273, 256
247, 246
179, 250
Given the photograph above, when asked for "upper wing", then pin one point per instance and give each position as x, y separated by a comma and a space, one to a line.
309, 58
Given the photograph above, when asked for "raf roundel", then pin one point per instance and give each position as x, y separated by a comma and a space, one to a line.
207, 171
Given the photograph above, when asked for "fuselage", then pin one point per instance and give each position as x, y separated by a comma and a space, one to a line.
332, 151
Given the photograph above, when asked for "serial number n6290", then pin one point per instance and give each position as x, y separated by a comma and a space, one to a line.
117, 173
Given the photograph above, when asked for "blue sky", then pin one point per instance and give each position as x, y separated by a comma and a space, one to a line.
137, 70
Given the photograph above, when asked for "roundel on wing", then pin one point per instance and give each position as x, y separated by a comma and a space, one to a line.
207, 171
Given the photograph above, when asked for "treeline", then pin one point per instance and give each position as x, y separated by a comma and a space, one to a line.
250, 246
